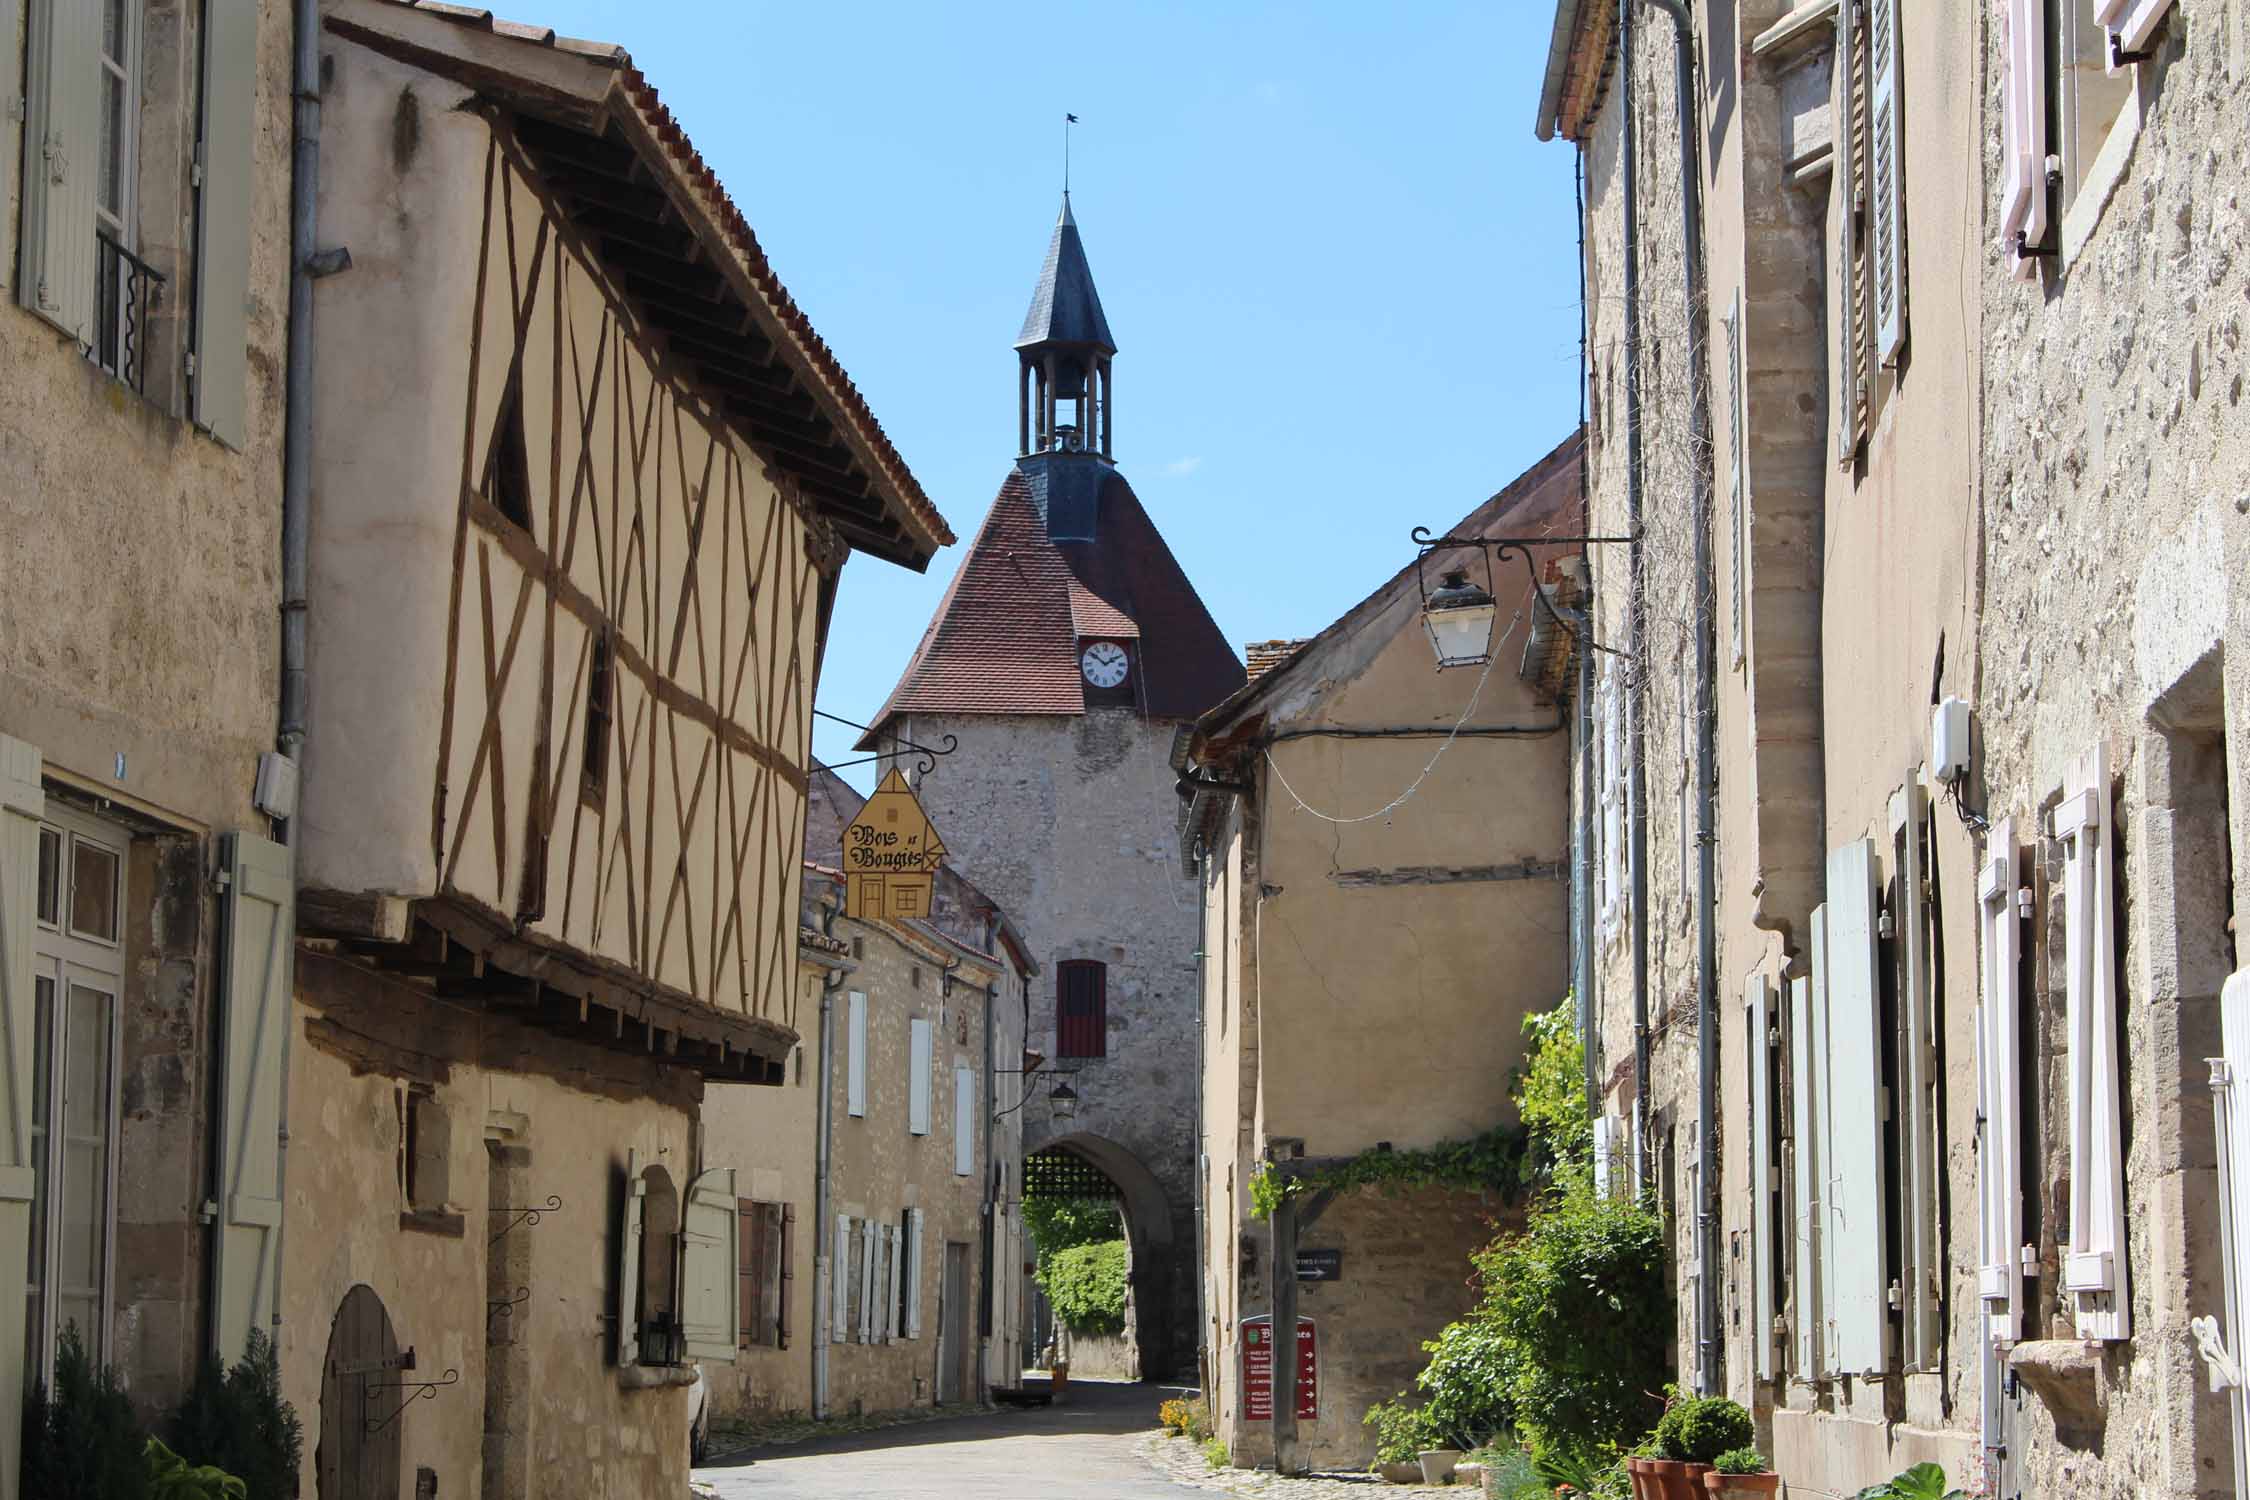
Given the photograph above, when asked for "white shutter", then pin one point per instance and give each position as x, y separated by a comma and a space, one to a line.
855, 1065
22, 803
914, 1275
1856, 1215
1886, 168
964, 1121
867, 1270
919, 1062
223, 215
2000, 1093
1844, 216
2094, 1269
1737, 415
1826, 1185
1757, 1028
2023, 156
2130, 24
1604, 1146
895, 1259
62, 162
1916, 1110
1805, 1159
255, 995
629, 1263
839, 1281
2230, 1074
711, 1266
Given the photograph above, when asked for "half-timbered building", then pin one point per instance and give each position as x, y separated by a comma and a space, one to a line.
587, 480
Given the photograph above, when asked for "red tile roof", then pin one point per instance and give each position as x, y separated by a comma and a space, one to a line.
1005, 639
1263, 656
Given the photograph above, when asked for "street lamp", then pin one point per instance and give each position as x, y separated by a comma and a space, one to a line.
1459, 616
1062, 1101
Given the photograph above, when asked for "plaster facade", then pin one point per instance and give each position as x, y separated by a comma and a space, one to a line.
1368, 970
139, 675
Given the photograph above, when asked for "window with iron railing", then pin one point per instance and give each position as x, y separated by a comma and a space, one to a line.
126, 292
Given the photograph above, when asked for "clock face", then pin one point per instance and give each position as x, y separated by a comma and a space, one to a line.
1103, 663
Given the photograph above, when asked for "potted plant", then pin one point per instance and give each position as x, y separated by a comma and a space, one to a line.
1400, 1432
1741, 1474
1646, 1466
1690, 1436
1925, 1481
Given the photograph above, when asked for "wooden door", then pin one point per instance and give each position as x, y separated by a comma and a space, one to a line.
953, 1326
361, 1417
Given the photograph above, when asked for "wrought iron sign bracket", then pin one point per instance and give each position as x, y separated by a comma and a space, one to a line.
526, 1216
420, 1388
929, 753
501, 1307
1497, 550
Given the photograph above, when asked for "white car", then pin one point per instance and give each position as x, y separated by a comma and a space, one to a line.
699, 1417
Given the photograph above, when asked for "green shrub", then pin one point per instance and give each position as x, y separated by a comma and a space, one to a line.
172, 1477
1059, 1223
1401, 1430
1466, 1382
1509, 1474
82, 1440
1697, 1429
1086, 1285
237, 1421
1612, 1483
1922, 1482
1215, 1452
1550, 1094
1743, 1460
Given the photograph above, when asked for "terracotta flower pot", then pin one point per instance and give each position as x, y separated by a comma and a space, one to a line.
1741, 1486
1666, 1479
1647, 1485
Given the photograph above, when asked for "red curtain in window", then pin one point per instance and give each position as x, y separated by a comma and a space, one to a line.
1081, 1009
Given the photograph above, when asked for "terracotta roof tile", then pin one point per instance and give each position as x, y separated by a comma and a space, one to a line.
1263, 656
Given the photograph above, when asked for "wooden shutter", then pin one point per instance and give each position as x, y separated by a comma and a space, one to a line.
1614, 898
2023, 114
255, 999
710, 1293
750, 1246
1691, 1302
913, 1274
866, 1288
964, 1121
1081, 1009
894, 1268
920, 1060
839, 1280
1736, 416
1886, 170
629, 1263
1826, 1186
786, 1292
1916, 1108
1805, 1197
2000, 1093
1757, 1028
855, 1065
62, 163
1857, 1216
2094, 1271
1846, 101
223, 215
2130, 24
22, 804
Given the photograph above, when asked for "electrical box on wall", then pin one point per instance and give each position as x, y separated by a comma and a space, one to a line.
1949, 740
276, 792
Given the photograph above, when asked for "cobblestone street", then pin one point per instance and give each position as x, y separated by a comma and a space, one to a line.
1103, 1445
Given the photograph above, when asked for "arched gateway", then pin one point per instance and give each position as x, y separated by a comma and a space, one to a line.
1087, 1166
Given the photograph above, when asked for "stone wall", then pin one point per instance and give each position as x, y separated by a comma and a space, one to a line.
1069, 823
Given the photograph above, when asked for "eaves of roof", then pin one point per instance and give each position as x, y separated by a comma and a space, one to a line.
593, 88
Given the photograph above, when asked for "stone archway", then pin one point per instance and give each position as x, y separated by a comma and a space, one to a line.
1086, 1165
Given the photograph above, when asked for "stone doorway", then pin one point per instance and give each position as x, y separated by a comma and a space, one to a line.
360, 1416
1085, 1165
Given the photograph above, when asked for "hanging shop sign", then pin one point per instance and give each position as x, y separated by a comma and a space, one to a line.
1257, 1370
891, 855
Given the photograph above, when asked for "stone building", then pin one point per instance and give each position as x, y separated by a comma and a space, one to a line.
1913, 798
584, 481
1368, 967
882, 1204
144, 251
1065, 656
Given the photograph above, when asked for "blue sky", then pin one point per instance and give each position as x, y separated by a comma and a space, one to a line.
1340, 269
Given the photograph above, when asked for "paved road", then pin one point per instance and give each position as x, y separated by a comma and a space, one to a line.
1079, 1451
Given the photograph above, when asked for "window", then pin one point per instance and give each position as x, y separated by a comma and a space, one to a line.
1081, 1008
507, 481
593, 758
763, 1245
77, 969
654, 1291
424, 1151
1765, 1259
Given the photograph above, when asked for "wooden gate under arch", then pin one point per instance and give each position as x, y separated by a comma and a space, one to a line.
360, 1417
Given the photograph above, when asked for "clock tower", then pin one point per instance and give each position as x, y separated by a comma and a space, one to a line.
1067, 652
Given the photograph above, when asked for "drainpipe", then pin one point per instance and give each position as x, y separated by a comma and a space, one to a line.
1202, 1137
1581, 621
1708, 1259
1644, 1163
825, 1109
990, 1300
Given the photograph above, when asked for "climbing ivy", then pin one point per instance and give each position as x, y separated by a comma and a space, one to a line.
1491, 1162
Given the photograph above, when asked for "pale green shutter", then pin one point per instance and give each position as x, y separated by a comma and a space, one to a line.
1857, 1217
1886, 188
918, 1063
21, 805
223, 215
1916, 1110
964, 1121
855, 1059
914, 1274
260, 912
1757, 1027
839, 1284
710, 1266
61, 153
629, 1263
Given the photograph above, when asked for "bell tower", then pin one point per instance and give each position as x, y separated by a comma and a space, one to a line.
1063, 384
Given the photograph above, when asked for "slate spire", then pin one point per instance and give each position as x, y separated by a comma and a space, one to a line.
1063, 354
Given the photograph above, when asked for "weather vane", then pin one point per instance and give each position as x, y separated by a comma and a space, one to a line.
1068, 121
